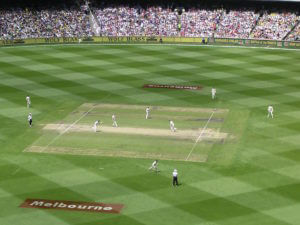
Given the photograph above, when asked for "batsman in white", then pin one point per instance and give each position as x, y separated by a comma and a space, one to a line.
270, 111
213, 93
147, 113
113, 117
28, 101
172, 126
154, 166
97, 122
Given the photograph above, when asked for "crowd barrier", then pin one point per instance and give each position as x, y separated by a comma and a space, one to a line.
178, 40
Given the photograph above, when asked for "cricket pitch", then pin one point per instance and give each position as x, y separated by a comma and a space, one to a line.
136, 137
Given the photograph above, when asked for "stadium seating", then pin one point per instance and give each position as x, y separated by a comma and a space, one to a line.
150, 21
274, 25
236, 24
18, 24
295, 34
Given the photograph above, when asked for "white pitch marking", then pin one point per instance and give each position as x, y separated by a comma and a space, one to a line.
200, 135
17, 170
66, 130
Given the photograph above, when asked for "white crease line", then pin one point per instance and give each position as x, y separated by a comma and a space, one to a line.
15, 172
200, 135
68, 128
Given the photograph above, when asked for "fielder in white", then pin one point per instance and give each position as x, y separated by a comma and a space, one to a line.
213, 93
147, 113
172, 126
113, 117
270, 111
154, 166
97, 122
28, 101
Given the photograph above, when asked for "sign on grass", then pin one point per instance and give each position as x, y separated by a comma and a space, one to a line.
72, 205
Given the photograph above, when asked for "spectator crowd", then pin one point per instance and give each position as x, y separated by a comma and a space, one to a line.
18, 24
275, 25
125, 21
295, 34
199, 23
236, 24
151, 21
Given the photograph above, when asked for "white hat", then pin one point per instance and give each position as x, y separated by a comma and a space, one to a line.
175, 170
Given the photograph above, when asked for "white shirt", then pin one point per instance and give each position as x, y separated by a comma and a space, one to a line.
154, 163
29, 117
147, 110
270, 109
213, 91
175, 173
96, 123
113, 117
28, 99
171, 123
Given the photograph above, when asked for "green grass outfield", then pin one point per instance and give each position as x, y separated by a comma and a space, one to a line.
253, 178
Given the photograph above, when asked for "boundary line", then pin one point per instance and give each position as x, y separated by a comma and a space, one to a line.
200, 135
141, 44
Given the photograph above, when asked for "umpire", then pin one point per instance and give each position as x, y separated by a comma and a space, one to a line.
175, 179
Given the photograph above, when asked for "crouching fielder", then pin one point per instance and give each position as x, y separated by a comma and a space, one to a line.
172, 126
270, 111
154, 166
113, 117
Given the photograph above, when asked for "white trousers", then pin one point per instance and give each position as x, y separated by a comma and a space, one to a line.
270, 114
115, 124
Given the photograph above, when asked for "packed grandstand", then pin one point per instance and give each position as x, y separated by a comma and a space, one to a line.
85, 19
